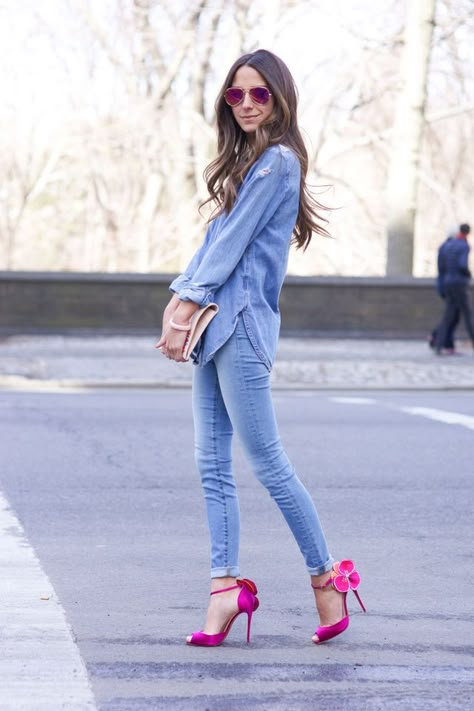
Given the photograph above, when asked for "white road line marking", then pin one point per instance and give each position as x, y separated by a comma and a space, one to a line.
353, 400
40, 664
449, 418
14, 383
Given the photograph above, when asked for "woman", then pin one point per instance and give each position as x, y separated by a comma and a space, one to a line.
258, 184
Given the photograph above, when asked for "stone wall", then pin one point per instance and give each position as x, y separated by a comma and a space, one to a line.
70, 302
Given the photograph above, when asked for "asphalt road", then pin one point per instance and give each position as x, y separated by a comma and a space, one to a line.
104, 485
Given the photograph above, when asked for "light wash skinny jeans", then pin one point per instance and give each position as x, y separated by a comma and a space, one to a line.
233, 391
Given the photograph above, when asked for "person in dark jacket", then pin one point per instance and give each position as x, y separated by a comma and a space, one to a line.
455, 279
448, 344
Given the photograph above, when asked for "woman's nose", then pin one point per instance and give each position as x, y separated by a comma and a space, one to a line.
247, 103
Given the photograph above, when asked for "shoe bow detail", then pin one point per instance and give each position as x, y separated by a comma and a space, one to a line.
344, 576
249, 584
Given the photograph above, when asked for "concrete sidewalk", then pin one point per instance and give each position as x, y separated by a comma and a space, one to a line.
72, 362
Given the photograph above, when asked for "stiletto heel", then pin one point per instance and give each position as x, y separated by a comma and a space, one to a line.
247, 602
250, 612
344, 577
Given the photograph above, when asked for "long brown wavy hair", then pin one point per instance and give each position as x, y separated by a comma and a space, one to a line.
237, 150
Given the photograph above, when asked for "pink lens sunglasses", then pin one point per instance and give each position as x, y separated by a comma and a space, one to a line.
235, 95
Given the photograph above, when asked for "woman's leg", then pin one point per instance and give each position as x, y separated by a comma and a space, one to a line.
245, 386
213, 441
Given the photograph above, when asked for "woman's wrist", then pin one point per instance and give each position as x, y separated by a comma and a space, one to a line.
171, 307
184, 312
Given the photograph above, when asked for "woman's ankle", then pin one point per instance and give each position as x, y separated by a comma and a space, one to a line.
317, 581
222, 583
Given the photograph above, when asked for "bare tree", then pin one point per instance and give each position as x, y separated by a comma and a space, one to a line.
114, 181
406, 145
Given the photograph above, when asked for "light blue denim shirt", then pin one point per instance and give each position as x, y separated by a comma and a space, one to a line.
243, 259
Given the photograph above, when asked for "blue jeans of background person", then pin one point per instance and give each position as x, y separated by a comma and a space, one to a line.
233, 392
457, 300
448, 342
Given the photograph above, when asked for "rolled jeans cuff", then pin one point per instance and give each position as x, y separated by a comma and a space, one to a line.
232, 572
322, 568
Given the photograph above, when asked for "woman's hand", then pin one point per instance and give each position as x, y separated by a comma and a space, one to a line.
172, 343
172, 340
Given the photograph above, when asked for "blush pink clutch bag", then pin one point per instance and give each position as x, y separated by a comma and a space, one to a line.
200, 320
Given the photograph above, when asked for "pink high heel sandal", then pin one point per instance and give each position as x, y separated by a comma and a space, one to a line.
344, 577
247, 602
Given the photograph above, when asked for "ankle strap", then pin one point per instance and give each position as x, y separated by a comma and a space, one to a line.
240, 583
233, 587
324, 585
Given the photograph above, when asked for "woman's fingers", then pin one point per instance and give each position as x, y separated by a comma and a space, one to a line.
171, 345
176, 353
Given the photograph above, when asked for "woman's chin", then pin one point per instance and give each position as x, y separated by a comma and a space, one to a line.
249, 126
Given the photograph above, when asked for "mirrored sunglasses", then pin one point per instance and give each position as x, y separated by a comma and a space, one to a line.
235, 95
